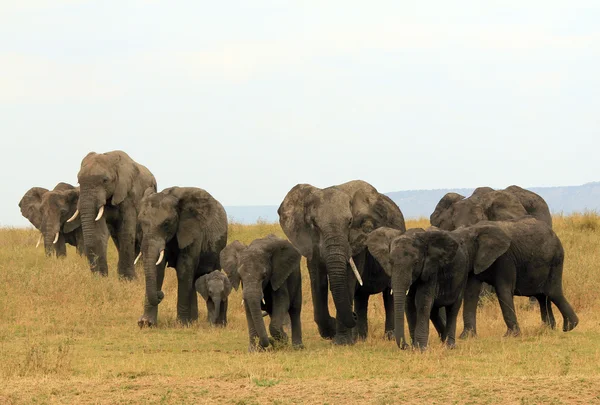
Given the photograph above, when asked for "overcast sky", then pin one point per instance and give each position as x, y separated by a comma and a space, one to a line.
248, 98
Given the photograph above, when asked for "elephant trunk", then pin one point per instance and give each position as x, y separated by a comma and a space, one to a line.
399, 287
95, 234
150, 254
217, 312
336, 260
252, 297
49, 243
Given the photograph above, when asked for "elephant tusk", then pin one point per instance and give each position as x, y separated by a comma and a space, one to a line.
242, 304
264, 313
100, 213
55, 239
355, 270
74, 216
263, 301
160, 257
391, 291
39, 241
137, 258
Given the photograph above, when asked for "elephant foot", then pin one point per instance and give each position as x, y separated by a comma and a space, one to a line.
450, 345
513, 332
344, 339
389, 335
146, 322
468, 333
404, 346
570, 325
327, 329
298, 346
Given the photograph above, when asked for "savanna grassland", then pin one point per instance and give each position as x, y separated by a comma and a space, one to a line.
67, 336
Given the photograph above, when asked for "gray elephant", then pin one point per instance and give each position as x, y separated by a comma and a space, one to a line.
433, 266
329, 227
49, 211
269, 271
112, 185
521, 257
184, 228
215, 288
454, 210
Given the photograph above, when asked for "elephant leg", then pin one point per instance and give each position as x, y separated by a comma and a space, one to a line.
185, 288
319, 292
570, 319
411, 311
294, 312
451, 317
281, 305
438, 322
388, 304
471, 299
507, 305
546, 310
361, 304
126, 232
222, 320
150, 316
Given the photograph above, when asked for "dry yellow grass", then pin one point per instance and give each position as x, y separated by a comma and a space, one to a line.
67, 336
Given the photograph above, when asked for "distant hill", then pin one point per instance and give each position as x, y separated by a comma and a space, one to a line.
421, 203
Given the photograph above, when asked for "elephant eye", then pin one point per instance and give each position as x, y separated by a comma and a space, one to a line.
105, 180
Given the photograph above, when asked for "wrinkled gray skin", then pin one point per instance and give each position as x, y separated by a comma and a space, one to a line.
433, 266
328, 227
49, 211
117, 182
269, 270
487, 204
454, 210
215, 289
191, 227
521, 257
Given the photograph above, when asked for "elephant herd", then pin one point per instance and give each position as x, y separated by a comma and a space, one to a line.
354, 240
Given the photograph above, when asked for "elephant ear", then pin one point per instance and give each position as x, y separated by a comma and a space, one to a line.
226, 284
30, 205
492, 242
127, 171
63, 187
285, 259
72, 199
292, 218
441, 249
442, 215
533, 203
202, 286
501, 206
229, 258
379, 245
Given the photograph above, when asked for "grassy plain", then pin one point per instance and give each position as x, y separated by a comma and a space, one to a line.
67, 336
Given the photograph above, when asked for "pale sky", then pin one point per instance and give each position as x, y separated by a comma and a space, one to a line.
248, 98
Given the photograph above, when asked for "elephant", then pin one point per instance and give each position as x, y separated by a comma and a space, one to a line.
48, 211
112, 185
454, 210
329, 227
522, 257
433, 266
184, 228
269, 271
215, 288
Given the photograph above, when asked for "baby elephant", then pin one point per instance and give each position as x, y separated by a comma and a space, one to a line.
215, 288
269, 270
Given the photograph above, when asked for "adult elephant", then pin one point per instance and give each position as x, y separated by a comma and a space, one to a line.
329, 227
184, 228
112, 185
487, 204
48, 211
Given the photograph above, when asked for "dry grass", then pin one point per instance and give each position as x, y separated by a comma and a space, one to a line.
67, 336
